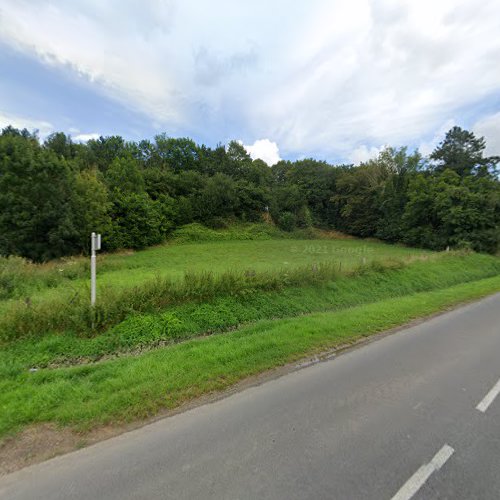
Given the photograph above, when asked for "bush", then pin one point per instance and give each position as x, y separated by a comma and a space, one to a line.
287, 221
195, 232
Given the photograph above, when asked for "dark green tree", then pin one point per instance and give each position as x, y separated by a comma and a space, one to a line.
36, 219
463, 152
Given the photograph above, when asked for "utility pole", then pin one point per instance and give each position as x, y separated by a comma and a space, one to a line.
95, 244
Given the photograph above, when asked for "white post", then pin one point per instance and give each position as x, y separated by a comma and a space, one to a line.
92, 269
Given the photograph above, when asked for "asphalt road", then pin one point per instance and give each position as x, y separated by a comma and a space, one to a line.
411, 415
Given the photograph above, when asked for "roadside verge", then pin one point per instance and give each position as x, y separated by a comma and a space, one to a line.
117, 392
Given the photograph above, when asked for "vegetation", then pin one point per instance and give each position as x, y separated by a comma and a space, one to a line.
137, 387
303, 292
55, 296
53, 195
246, 269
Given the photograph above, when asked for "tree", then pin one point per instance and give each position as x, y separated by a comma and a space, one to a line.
138, 221
124, 175
101, 152
316, 181
400, 168
357, 199
61, 144
462, 152
36, 220
448, 210
179, 154
91, 209
218, 198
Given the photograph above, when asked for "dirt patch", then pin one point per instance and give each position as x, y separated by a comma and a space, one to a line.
44, 441
330, 234
35, 444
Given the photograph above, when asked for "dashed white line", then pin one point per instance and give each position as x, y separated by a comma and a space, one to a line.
420, 477
489, 398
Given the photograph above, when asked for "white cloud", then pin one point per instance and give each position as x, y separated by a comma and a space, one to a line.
44, 128
489, 128
427, 147
363, 153
86, 137
265, 150
328, 77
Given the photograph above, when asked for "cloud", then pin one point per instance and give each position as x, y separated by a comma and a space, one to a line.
363, 153
489, 128
44, 128
427, 147
326, 78
86, 137
265, 150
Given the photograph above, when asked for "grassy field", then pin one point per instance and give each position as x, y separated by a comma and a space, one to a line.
55, 296
180, 322
173, 260
183, 319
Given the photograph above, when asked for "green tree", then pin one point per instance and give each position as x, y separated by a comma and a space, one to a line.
124, 175
400, 167
179, 154
36, 220
91, 208
218, 198
462, 152
61, 144
138, 221
448, 210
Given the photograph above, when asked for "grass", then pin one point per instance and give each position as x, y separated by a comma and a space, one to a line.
122, 270
224, 313
155, 278
137, 387
270, 302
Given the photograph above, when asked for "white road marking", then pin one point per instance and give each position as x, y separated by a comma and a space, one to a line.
489, 398
420, 477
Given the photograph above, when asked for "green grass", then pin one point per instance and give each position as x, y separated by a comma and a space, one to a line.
155, 278
137, 387
128, 269
270, 299
184, 321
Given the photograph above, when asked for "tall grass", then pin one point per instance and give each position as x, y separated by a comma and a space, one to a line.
20, 277
74, 313
206, 303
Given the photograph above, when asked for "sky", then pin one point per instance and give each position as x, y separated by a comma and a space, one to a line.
335, 80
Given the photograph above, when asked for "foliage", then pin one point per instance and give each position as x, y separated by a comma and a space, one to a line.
36, 189
462, 152
52, 195
447, 209
287, 221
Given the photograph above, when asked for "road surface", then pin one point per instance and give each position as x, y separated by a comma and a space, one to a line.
412, 415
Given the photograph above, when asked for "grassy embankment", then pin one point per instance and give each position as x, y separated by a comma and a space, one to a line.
265, 319
55, 296
191, 249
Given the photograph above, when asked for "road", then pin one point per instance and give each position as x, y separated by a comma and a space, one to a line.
414, 414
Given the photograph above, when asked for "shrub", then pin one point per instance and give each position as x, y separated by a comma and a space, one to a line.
287, 221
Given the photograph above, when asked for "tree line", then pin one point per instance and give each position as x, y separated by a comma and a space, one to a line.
53, 194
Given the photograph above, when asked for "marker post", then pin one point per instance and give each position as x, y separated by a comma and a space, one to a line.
95, 244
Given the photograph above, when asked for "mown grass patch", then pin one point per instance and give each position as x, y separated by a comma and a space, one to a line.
137, 387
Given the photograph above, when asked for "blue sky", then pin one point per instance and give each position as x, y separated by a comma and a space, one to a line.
335, 80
